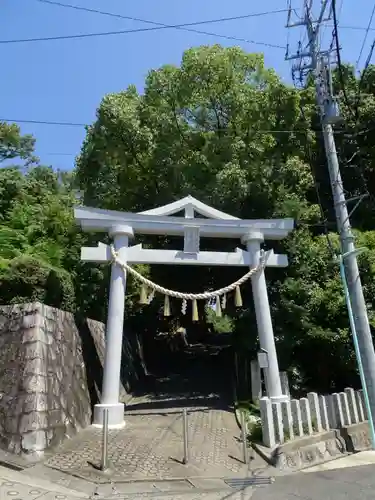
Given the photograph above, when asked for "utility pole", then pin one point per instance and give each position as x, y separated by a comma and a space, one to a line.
313, 59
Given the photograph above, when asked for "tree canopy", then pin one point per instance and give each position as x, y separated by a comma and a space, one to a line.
226, 129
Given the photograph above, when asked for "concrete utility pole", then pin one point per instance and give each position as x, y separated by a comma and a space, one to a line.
318, 62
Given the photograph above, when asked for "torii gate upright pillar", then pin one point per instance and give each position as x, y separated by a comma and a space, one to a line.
263, 318
114, 334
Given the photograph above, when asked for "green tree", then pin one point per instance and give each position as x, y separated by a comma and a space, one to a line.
226, 129
37, 231
204, 127
210, 127
14, 145
40, 245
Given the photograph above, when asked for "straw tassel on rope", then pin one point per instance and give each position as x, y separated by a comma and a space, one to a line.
167, 307
238, 298
224, 301
143, 295
194, 307
218, 307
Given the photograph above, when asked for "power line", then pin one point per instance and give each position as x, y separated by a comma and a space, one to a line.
323, 219
140, 30
155, 23
361, 82
156, 27
365, 68
77, 124
357, 309
340, 9
359, 28
368, 60
366, 35
40, 122
355, 112
338, 53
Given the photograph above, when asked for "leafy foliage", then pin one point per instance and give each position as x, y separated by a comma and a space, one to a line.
13, 145
226, 129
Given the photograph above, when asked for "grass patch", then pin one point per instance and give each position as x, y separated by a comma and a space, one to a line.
252, 420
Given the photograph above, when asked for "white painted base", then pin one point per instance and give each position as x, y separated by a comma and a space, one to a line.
115, 415
280, 399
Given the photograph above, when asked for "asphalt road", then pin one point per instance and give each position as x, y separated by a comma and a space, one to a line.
342, 484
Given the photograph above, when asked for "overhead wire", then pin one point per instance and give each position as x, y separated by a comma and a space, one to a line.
368, 60
325, 25
337, 16
323, 219
139, 30
366, 35
155, 23
310, 160
77, 124
157, 26
338, 53
362, 77
358, 28
354, 112
43, 122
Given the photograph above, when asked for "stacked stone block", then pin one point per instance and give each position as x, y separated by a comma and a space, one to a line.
314, 414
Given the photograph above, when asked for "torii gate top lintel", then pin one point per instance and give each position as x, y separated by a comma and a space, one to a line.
190, 205
162, 221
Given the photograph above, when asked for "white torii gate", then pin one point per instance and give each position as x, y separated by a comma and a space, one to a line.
161, 221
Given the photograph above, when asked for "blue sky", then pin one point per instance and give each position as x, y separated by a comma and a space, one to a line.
65, 80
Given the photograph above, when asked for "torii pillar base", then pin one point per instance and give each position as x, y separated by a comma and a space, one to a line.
115, 415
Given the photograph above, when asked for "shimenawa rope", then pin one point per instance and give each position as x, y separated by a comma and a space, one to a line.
191, 296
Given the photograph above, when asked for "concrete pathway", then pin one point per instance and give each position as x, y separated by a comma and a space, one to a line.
151, 447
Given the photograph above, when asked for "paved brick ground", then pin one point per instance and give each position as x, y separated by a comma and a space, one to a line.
151, 447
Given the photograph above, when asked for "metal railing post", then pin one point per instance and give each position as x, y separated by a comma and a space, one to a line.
104, 464
185, 432
244, 438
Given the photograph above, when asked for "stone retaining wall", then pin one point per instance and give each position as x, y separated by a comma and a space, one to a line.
43, 384
93, 336
51, 370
